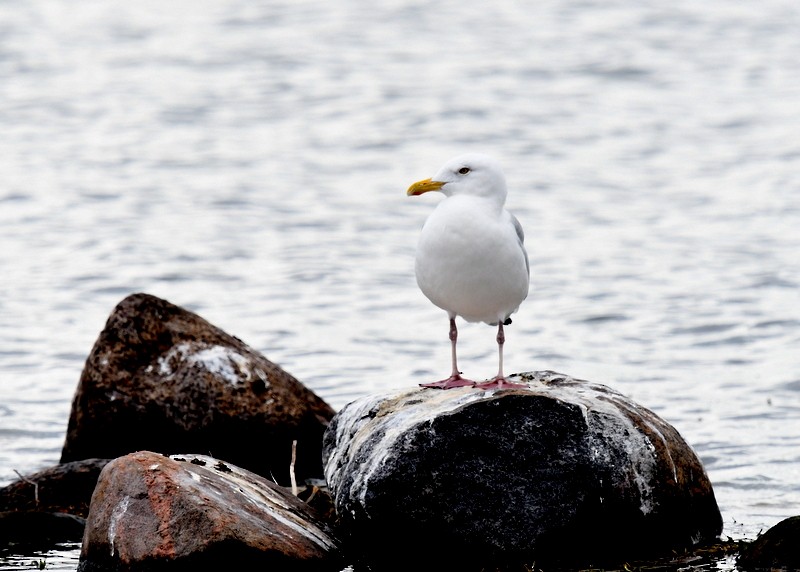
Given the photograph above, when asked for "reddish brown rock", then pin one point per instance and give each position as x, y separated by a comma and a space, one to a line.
562, 472
150, 512
163, 379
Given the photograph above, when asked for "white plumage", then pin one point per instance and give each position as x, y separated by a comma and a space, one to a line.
471, 259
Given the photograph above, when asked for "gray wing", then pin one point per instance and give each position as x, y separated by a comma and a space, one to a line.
521, 237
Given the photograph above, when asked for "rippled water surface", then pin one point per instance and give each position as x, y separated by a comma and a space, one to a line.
248, 161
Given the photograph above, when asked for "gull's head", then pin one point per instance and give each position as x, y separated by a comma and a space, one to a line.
470, 174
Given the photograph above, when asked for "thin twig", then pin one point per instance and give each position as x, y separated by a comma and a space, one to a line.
291, 468
34, 483
313, 494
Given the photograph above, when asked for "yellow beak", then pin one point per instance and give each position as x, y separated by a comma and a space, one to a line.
423, 187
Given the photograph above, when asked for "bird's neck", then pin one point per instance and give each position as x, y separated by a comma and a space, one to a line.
492, 203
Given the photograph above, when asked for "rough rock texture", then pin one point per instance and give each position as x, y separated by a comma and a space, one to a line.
777, 549
151, 512
163, 379
63, 488
564, 471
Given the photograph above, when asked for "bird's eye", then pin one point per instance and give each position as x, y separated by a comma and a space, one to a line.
463, 170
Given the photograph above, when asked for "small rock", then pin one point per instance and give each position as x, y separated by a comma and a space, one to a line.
563, 471
192, 512
63, 488
163, 379
777, 549
34, 529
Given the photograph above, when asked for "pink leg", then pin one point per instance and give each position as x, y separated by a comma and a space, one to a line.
499, 381
455, 379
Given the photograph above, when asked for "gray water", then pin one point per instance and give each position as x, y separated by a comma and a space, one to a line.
248, 161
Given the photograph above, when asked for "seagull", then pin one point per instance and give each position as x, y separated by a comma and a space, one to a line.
471, 259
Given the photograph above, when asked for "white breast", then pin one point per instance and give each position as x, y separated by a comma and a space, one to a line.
470, 261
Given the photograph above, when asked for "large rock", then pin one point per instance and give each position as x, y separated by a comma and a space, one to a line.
192, 512
563, 471
162, 378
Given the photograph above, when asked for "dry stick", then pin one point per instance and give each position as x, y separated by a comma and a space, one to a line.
313, 494
291, 468
34, 483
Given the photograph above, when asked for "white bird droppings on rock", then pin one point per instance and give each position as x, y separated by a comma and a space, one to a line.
118, 513
223, 361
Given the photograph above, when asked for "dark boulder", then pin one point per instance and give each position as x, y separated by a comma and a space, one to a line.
190, 512
65, 488
38, 530
562, 472
162, 378
50, 506
777, 549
